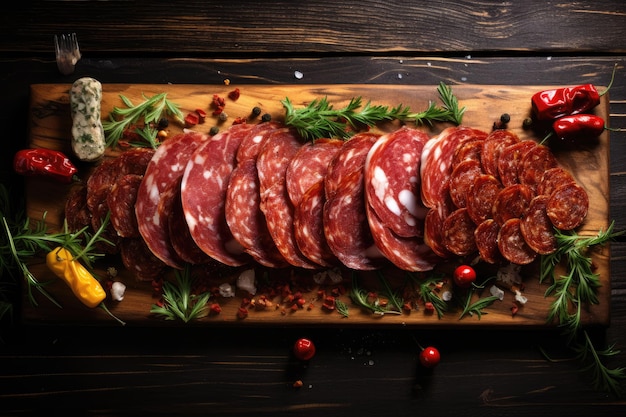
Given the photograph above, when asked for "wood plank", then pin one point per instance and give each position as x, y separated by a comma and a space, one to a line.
49, 124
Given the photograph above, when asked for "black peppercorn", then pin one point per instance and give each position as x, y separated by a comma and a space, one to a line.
266, 117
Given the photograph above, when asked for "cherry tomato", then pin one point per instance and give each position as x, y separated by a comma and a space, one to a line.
304, 349
429, 357
464, 276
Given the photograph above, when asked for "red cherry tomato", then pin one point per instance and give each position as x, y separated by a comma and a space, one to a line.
429, 357
464, 276
304, 349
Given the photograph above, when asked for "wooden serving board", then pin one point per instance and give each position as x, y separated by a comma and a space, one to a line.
49, 127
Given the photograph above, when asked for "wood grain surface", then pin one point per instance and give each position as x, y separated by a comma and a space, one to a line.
50, 126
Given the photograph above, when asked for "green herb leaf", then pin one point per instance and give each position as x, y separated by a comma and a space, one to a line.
179, 301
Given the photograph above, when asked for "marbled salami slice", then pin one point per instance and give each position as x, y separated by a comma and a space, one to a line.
245, 219
511, 202
534, 164
121, 201
252, 143
346, 228
433, 233
406, 253
437, 159
510, 160
461, 181
483, 194
274, 157
512, 244
139, 259
77, 214
486, 237
203, 195
552, 179
308, 166
309, 226
351, 157
458, 233
166, 166
492, 147
567, 206
392, 181
537, 228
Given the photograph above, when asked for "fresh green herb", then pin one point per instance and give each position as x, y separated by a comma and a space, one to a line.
319, 119
427, 291
394, 299
150, 111
342, 308
604, 378
179, 300
368, 300
478, 306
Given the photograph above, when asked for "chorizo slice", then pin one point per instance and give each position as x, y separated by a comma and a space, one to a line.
552, 179
512, 244
510, 159
458, 233
492, 147
462, 180
567, 206
483, 194
533, 165
486, 236
537, 228
511, 202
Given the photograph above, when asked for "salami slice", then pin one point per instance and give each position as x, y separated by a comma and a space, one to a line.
346, 228
486, 237
492, 147
437, 158
121, 201
166, 166
308, 166
251, 144
510, 160
77, 214
139, 259
483, 194
511, 202
406, 253
349, 158
203, 195
461, 181
512, 244
98, 216
245, 219
392, 181
567, 206
472, 149
458, 233
274, 158
309, 226
533, 165
552, 179
433, 236
537, 228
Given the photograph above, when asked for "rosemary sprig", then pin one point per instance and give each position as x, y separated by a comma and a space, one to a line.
362, 298
342, 308
478, 306
604, 378
319, 119
179, 300
427, 291
151, 110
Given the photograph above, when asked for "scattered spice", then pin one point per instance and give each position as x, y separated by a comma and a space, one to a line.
234, 95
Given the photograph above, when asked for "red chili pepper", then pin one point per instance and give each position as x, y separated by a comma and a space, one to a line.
578, 126
44, 163
559, 102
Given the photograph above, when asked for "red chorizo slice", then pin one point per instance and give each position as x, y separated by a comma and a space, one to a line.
461, 181
493, 146
552, 179
512, 244
458, 233
433, 236
392, 181
511, 202
510, 159
483, 194
245, 219
471, 149
139, 259
533, 165
537, 228
203, 195
568, 206
486, 236
98, 216
121, 201
437, 158
309, 227
166, 166
349, 158
308, 166
77, 214
346, 228
406, 253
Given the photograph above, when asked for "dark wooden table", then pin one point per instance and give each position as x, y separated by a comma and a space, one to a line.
203, 370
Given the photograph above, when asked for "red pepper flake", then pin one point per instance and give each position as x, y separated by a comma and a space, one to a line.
514, 310
407, 306
429, 308
192, 119
218, 101
242, 313
310, 307
329, 303
234, 95
215, 309
201, 115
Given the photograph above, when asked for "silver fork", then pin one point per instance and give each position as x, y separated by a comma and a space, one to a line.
67, 52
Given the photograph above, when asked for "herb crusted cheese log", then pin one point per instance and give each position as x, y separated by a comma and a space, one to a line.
88, 140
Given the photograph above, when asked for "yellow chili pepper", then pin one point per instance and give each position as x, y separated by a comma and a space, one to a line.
85, 287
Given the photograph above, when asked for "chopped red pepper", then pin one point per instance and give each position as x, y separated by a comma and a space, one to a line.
234, 95
192, 119
46, 163
559, 102
578, 126
201, 115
